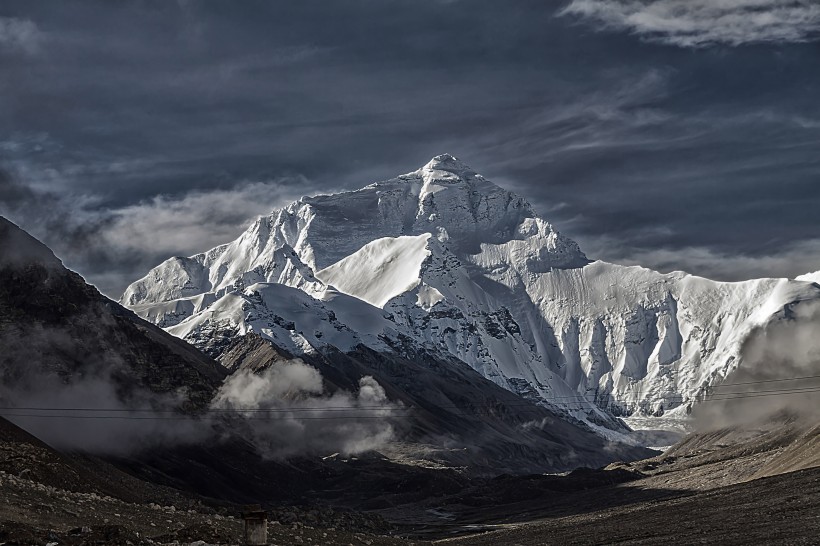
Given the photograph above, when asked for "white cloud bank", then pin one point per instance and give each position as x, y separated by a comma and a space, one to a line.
289, 413
195, 221
701, 23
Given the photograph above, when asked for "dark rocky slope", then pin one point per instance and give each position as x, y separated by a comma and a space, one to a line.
484, 427
53, 323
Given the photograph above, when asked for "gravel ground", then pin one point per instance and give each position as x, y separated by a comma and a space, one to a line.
34, 513
708, 489
782, 509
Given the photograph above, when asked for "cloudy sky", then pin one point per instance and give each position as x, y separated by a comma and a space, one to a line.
679, 134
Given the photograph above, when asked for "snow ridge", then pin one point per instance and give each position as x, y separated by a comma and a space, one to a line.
445, 261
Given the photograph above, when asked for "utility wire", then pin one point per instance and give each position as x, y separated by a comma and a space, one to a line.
575, 397
353, 413
766, 381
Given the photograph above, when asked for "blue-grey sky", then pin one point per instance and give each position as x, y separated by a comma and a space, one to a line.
679, 134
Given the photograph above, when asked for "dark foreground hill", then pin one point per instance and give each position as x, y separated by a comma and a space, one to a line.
55, 326
744, 485
74, 499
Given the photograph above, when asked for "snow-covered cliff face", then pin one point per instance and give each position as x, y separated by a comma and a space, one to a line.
810, 277
444, 260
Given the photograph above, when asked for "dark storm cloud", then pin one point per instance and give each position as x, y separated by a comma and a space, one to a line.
117, 113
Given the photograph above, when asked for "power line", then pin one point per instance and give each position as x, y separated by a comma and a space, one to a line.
175, 418
766, 381
352, 413
574, 397
214, 410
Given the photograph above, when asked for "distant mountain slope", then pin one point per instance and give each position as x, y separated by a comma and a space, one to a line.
454, 416
53, 325
454, 264
781, 445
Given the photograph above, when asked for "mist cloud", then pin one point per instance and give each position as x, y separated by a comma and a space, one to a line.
89, 415
70, 394
772, 358
115, 245
298, 417
283, 410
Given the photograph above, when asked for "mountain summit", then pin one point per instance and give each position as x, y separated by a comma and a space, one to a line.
444, 261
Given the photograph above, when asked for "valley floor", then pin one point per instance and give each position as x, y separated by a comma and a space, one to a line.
782, 509
32, 513
727, 487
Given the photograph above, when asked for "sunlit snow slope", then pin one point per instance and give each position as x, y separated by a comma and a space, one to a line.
810, 277
443, 259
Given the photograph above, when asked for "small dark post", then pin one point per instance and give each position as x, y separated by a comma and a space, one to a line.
256, 525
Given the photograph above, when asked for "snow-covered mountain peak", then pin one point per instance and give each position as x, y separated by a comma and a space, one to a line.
443, 261
446, 163
445, 198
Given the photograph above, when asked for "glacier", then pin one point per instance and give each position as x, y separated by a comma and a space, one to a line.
443, 259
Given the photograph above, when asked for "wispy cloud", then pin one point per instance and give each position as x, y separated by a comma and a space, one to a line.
284, 410
620, 115
20, 35
700, 23
708, 262
112, 246
194, 221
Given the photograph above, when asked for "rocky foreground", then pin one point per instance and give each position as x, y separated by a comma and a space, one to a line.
727, 486
49, 497
34, 513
